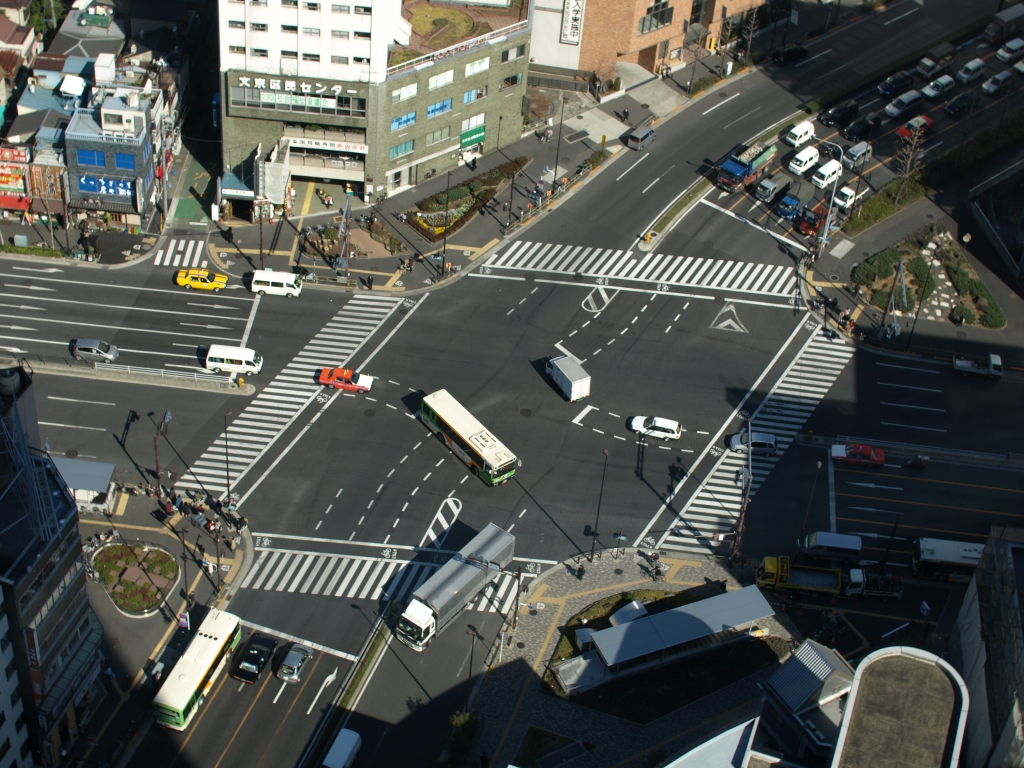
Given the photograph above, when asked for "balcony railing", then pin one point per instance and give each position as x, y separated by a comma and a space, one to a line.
452, 50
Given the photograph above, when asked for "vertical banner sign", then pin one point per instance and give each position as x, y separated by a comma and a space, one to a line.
572, 22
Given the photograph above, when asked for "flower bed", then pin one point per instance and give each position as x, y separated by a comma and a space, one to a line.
451, 209
137, 577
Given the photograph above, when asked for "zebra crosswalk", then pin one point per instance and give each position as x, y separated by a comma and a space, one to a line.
182, 253
287, 394
715, 507
661, 269
358, 577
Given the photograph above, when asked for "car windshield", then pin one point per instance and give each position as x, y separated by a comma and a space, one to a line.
103, 347
744, 438
410, 630
248, 667
287, 670
648, 422
257, 358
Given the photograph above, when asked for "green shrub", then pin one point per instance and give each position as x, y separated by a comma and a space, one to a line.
863, 274
330, 233
706, 82
993, 316
873, 211
616, 83
598, 157
475, 186
919, 268
961, 312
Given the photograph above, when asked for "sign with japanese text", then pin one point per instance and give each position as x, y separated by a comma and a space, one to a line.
290, 86
472, 136
100, 185
572, 22
14, 155
12, 180
336, 146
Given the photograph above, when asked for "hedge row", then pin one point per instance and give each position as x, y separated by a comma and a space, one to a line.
883, 204
882, 264
432, 236
991, 313
926, 284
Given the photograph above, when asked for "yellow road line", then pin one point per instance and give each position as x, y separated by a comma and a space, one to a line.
306, 201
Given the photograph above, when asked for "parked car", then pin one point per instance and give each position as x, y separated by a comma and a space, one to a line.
971, 71
839, 114
1011, 51
896, 84
862, 129
845, 198
918, 126
254, 658
344, 378
656, 426
811, 221
858, 455
93, 350
995, 84
787, 54
961, 105
939, 86
201, 279
758, 443
294, 660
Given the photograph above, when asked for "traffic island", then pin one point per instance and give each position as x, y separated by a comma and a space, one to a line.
137, 578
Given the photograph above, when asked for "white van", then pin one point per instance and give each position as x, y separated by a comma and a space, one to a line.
1011, 51
823, 545
800, 134
827, 174
222, 359
344, 750
857, 155
803, 161
901, 104
266, 281
971, 71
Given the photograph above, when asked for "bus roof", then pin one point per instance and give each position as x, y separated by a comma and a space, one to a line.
944, 551
468, 428
201, 652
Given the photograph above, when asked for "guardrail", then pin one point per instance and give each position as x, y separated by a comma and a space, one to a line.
165, 374
542, 202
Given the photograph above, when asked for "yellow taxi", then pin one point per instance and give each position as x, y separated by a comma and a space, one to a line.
201, 279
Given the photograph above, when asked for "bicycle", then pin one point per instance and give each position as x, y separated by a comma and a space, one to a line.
382, 197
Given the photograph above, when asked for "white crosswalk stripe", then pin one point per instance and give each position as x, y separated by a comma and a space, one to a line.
714, 508
289, 392
362, 578
689, 271
183, 253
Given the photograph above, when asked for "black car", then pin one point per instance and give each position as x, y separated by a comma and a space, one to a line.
839, 114
961, 105
254, 658
787, 54
896, 84
862, 129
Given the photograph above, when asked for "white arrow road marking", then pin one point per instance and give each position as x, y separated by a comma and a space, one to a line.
30, 287
330, 679
23, 306
32, 269
208, 327
18, 328
881, 487
209, 306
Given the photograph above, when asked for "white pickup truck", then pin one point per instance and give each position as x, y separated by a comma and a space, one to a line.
990, 365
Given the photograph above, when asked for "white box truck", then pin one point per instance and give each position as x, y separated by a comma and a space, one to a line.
442, 597
570, 377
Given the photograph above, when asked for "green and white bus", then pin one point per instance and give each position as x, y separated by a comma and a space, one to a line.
192, 677
467, 438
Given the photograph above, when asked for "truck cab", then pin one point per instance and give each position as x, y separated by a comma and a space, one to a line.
416, 625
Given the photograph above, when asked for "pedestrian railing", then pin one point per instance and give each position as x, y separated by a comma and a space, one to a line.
165, 374
543, 202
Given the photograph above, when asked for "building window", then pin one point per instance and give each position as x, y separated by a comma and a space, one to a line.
289, 54
92, 157
339, 34
339, 59
258, 2
402, 149
473, 122
478, 66
312, 6
658, 15
477, 93
236, 49
288, 29
289, 3
361, 59
513, 53
397, 123
364, 10
512, 82
438, 109
403, 93
439, 81
697, 11
439, 135
362, 35
339, 9
124, 161
311, 32
260, 53
311, 57
258, 27
236, 24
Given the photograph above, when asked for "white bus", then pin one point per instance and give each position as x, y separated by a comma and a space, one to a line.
192, 677
467, 438
946, 560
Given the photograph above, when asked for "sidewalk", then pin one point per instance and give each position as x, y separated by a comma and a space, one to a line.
554, 598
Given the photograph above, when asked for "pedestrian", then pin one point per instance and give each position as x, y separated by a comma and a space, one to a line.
625, 113
109, 672
580, 571
369, 282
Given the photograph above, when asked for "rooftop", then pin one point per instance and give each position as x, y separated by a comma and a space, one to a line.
13, 34
78, 37
15, 3
41, 99
907, 709
32, 124
441, 29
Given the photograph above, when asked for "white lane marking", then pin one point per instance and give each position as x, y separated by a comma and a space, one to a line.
780, 238
906, 386
901, 16
115, 285
815, 56
741, 117
721, 103
873, 485
33, 269
120, 327
651, 184
252, 319
634, 165
73, 400
915, 407
327, 681
907, 368
71, 426
892, 424
126, 308
583, 413
300, 641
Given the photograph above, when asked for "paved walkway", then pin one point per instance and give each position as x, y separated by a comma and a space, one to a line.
553, 599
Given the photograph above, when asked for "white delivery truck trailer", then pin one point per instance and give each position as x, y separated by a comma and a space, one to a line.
442, 597
570, 377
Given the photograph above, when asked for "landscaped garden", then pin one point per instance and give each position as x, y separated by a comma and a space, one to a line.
138, 577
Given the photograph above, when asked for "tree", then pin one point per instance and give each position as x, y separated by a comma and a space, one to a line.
907, 161
722, 40
45, 15
749, 28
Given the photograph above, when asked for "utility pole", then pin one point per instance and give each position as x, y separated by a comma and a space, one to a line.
511, 191
519, 591
161, 429
260, 213
597, 517
184, 567
447, 202
558, 148
227, 457
747, 481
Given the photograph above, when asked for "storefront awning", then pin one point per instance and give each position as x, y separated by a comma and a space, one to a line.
100, 205
84, 475
47, 205
11, 203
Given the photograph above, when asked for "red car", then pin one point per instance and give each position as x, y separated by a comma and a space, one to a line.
812, 220
345, 378
918, 126
858, 455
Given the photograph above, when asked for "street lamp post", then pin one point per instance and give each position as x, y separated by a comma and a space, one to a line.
519, 591
447, 202
831, 204
597, 517
511, 192
469, 678
497, 144
227, 457
184, 567
558, 148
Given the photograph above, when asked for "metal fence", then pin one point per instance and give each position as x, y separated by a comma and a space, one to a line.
165, 374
